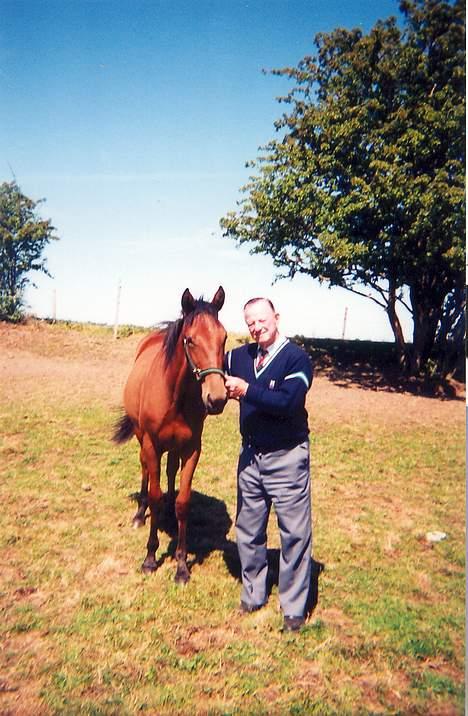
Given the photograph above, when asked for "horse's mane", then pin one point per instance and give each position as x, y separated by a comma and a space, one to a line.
173, 329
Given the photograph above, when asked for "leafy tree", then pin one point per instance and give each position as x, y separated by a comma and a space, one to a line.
364, 189
23, 238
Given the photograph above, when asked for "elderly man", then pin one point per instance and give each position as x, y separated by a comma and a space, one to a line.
270, 378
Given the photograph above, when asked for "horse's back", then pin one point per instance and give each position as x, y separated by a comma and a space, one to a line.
151, 342
149, 351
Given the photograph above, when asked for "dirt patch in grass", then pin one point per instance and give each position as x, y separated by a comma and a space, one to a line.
77, 366
196, 639
110, 568
384, 691
19, 688
329, 403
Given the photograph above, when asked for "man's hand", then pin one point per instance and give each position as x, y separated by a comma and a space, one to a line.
236, 387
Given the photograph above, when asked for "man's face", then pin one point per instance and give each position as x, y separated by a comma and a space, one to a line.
262, 323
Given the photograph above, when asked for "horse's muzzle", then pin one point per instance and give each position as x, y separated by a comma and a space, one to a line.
215, 406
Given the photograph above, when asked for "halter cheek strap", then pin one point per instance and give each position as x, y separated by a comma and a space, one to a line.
199, 373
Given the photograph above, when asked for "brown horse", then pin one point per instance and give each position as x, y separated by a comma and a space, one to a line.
177, 379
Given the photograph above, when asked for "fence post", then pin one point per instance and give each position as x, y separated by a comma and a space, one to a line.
117, 306
344, 323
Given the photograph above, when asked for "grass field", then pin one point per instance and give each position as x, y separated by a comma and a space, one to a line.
83, 631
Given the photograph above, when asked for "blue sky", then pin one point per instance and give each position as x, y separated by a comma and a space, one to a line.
134, 120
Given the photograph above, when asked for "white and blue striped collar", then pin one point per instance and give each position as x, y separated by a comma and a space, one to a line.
275, 347
271, 352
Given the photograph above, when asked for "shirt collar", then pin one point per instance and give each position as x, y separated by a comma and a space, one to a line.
274, 346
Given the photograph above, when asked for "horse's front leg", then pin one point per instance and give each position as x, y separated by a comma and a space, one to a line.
182, 504
172, 468
152, 460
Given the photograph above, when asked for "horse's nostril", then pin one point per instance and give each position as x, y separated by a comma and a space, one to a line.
215, 406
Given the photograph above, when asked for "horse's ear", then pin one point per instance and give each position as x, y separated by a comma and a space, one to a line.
188, 302
218, 299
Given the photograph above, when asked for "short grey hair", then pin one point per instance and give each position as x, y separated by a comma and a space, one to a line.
260, 298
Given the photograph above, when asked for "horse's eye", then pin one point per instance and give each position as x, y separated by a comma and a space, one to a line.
189, 340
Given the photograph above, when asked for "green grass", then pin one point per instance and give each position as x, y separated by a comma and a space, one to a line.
85, 632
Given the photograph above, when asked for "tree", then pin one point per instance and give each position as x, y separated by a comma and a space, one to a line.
364, 189
23, 238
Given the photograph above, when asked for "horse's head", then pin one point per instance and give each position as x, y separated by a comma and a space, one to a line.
204, 339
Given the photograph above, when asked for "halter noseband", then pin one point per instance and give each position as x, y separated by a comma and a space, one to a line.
198, 372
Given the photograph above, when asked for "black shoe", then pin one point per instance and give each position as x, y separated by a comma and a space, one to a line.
249, 608
293, 623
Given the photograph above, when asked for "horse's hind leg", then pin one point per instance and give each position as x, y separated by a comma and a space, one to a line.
139, 517
155, 496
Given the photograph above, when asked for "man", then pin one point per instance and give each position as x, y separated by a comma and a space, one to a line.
271, 378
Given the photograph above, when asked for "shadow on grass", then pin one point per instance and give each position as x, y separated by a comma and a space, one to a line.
208, 526
372, 365
207, 529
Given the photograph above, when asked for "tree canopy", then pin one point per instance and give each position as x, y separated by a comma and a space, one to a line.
364, 187
23, 238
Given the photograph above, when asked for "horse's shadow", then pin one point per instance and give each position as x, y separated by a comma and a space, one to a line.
207, 531
207, 528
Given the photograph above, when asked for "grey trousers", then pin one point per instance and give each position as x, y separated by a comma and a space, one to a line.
281, 478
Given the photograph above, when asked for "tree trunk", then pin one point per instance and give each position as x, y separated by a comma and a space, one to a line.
400, 344
449, 344
425, 321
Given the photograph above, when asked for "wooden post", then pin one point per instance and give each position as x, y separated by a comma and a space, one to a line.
117, 306
344, 323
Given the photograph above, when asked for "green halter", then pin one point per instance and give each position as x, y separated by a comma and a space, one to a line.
198, 372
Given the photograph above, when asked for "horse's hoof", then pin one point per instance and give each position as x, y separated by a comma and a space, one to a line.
149, 567
182, 576
137, 522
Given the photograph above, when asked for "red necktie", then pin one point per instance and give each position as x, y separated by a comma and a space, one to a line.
261, 358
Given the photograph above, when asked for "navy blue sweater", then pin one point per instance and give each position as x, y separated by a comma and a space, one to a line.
272, 412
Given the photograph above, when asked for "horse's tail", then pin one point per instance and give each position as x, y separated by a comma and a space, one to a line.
123, 429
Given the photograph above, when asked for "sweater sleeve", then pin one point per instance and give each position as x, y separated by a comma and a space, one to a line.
289, 395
